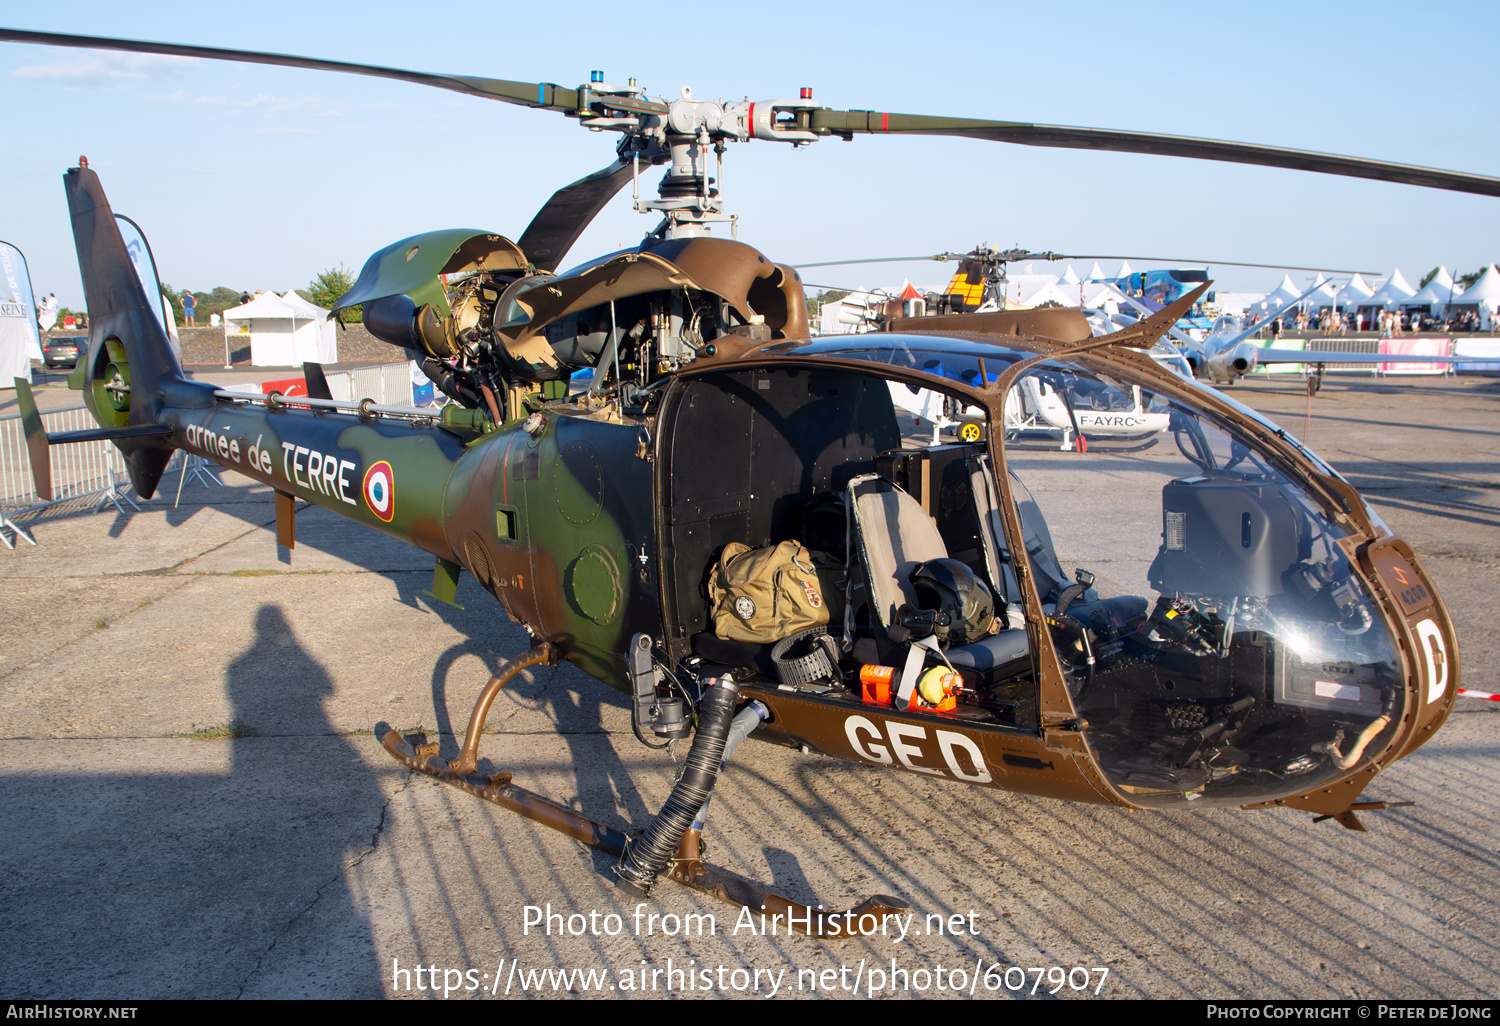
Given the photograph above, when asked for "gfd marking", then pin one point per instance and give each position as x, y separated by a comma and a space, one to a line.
864, 737
1436, 654
327, 474
380, 491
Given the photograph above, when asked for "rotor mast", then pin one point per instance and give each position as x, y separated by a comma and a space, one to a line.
682, 134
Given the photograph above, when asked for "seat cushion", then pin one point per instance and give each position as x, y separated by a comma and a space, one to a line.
992, 652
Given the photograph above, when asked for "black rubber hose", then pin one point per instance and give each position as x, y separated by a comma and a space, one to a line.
451, 382
646, 856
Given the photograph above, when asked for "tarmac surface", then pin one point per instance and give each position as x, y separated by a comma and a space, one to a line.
196, 806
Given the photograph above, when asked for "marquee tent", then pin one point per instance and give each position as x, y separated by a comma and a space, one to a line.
285, 331
1103, 295
1046, 292
1285, 293
1353, 293
1324, 297
1019, 287
1391, 295
1483, 297
1437, 293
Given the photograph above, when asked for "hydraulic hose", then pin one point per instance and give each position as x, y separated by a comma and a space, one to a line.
646, 856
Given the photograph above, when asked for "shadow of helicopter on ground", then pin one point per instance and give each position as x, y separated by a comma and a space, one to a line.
326, 543
181, 875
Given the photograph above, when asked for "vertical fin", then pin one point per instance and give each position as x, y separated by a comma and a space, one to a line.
126, 338
445, 582
317, 381
286, 520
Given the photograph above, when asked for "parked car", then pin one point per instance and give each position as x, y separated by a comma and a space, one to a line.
64, 351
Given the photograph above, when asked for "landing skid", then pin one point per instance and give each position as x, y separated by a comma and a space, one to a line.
687, 866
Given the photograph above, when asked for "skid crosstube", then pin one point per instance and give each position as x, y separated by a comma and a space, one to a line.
687, 868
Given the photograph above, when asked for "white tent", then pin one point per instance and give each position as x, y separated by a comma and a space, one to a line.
1044, 292
1483, 297
1069, 276
1324, 297
1098, 295
1018, 287
1391, 295
285, 331
1354, 293
1437, 293
1285, 293
1096, 273
1124, 269
1238, 304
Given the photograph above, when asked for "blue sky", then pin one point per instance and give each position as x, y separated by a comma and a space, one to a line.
261, 177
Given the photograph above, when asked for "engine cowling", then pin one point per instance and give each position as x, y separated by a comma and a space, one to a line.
1225, 366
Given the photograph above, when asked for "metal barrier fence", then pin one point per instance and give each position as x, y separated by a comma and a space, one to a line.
1441, 346
389, 384
82, 473
1347, 345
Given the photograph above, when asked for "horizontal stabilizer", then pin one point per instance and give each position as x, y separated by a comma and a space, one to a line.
36, 440
110, 434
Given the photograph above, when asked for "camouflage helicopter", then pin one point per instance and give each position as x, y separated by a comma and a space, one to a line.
1240, 627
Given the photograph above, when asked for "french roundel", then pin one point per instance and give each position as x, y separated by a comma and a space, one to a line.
380, 491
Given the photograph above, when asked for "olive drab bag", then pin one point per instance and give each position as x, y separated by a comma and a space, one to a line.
764, 595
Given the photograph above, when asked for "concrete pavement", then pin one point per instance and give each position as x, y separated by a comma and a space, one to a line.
282, 853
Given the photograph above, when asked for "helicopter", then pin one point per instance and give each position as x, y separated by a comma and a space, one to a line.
1223, 355
1239, 627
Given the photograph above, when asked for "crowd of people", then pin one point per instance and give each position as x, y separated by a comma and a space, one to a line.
1389, 323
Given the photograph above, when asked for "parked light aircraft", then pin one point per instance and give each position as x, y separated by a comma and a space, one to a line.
1226, 354
1060, 408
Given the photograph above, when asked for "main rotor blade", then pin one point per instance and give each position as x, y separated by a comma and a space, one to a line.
1221, 263
1050, 257
848, 122
882, 260
564, 217
526, 94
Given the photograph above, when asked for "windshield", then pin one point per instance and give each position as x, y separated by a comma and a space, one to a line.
1213, 633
